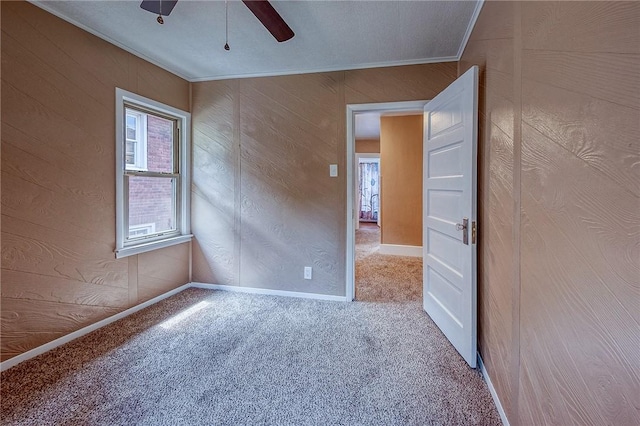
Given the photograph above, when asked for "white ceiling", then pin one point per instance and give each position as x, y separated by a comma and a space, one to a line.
329, 35
367, 125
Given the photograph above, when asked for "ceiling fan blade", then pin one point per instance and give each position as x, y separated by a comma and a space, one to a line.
154, 6
270, 18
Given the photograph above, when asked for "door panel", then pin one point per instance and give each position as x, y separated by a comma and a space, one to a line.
446, 161
450, 147
447, 294
444, 205
445, 248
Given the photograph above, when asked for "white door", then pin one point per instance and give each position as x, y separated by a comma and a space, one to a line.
449, 173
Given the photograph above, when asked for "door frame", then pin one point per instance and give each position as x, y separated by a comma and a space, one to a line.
352, 110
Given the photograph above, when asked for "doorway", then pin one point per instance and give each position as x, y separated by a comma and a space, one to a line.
450, 130
353, 203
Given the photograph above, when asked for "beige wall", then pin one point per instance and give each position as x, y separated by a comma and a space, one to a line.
263, 204
560, 209
401, 180
367, 146
59, 272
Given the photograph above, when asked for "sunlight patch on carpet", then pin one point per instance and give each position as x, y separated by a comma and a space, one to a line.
171, 322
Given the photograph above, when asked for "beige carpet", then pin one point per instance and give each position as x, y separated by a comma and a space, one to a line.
384, 278
207, 357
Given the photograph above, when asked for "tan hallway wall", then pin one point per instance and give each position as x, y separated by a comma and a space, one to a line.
367, 146
401, 179
59, 272
264, 205
559, 203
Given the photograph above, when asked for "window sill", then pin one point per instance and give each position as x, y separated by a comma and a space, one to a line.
153, 245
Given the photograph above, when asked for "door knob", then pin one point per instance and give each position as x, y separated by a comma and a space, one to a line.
463, 227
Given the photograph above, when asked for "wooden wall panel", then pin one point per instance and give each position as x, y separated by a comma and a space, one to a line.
491, 48
214, 219
59, 272
497, 248
269, 142
391, 84
288, 137
573, 238
31, 247
495, 22
161, 271
25, 322
579, 262
28, 184
583, 26
554, 111
16, 343
18, 129
33, 286
34, 316
401, 180
93, 65
159, 84
587, 73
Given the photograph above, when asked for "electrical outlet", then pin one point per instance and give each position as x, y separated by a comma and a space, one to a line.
307, 272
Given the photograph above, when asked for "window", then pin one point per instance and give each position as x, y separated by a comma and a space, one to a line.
136, 140
152, 176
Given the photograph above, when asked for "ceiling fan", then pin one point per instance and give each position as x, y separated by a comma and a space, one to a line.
262, 9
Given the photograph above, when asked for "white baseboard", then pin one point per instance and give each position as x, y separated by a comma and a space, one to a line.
399, 250
494, 395
85, 330
88, 329
270, 292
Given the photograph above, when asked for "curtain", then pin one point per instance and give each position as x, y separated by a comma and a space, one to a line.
369, 186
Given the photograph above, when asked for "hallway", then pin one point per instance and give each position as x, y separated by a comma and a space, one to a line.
384, 278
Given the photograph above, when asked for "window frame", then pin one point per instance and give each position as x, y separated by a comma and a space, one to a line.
145, 226
128, 247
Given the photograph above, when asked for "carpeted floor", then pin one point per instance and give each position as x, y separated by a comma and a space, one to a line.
384, 278
221, 358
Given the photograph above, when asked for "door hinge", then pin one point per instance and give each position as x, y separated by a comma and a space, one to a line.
474, 232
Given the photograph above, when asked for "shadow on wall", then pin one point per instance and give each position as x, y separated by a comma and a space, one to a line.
264, 240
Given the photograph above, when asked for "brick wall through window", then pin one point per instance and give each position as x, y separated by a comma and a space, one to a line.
151, 199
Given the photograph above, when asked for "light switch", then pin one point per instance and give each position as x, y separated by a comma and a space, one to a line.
333, 170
